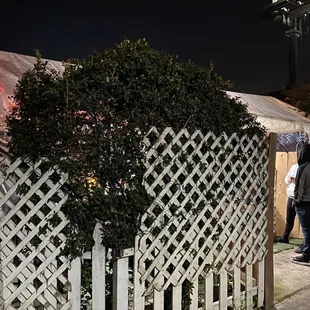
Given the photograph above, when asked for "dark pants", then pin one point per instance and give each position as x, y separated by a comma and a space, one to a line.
303, 212
290, 218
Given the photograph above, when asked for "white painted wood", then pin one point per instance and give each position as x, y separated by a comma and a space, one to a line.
120, 284
194, 296
98, 270
177, 298
139, 288
2, 294
249, 286
216, 305
239, 218
261, 283
75, 280
223, 290
158, 300
49, 293
17, 224
127, 252
240, 242
87, 255
159, 295
209, 291
237, 287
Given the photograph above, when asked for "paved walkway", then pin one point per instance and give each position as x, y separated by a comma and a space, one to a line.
299, 301
292, 283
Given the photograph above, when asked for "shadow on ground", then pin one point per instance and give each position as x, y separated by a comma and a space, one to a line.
280, 247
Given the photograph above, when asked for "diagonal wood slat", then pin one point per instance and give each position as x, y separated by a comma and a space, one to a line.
33, 275
209, 206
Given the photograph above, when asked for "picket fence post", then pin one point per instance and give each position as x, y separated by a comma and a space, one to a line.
269, 268
75, 280
121, 282
98, 270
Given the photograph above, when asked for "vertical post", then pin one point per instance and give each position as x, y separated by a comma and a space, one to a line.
2, 296
138, 296
75, 280
209, 290
120, 284
98, 271
269, 271
177, 297
223, 289
194, 296
2, 299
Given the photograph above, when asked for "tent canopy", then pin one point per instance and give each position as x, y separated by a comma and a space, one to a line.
12, 67
275, 115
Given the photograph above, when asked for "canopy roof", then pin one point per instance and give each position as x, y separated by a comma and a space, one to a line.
12, 67
275, 115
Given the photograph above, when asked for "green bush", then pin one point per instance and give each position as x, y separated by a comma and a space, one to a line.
90, 122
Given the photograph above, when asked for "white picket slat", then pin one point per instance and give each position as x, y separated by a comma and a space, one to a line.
120, 284
138, 295
261, 283
249, 286
194, 296
223, 290
98, 270
208, 292
177, 298
75, 280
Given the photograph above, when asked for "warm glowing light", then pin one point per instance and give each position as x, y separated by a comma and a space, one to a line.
7, 103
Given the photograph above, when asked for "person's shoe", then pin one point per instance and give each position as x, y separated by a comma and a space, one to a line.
301, 260
282, 240
299, 249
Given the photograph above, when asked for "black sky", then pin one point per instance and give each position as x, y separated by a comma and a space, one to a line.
245, 48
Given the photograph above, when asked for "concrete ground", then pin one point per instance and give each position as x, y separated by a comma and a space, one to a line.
300, 301
292, 283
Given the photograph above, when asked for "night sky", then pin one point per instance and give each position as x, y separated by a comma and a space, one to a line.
246, 49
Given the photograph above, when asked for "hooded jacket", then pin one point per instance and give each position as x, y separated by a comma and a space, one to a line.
302, 188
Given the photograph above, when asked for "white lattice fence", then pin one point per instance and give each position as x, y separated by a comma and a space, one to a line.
33, 274
208, 219
206, 226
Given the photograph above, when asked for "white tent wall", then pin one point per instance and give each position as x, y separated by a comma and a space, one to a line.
275, 115
12, 67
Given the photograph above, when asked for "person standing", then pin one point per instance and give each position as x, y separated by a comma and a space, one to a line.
302, 200
290, 209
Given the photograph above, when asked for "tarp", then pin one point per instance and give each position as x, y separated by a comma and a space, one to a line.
287, 142
275, 115
12, 67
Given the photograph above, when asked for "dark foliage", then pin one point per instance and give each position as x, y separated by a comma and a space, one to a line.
90, 121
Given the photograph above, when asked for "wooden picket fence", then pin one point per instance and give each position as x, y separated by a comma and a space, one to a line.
207, 234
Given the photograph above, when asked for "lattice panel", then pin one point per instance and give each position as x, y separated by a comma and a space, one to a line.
33, 274
209, 210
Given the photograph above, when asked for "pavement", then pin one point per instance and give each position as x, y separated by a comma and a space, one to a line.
292, 283
300, 301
